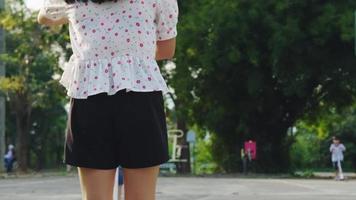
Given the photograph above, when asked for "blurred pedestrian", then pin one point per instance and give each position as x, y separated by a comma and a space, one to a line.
337, 157
10, 158
244, 161
120, 182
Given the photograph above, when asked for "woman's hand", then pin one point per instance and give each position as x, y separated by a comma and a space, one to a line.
43, 19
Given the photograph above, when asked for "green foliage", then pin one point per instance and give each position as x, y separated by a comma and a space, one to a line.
305, 152
305, 174
29, 54
35, 99
313, 139
204, 161
251, 69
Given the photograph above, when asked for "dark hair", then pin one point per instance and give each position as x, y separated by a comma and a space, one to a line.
94, 1
336, 137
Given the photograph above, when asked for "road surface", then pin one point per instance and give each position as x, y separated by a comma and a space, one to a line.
169, 188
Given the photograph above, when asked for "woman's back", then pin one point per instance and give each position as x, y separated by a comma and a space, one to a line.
119, 28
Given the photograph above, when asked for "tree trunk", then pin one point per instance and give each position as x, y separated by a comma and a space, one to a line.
40, 149
22, 126
40, 158
272, 150
23, 115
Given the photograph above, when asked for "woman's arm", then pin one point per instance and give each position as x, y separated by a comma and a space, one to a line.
165, 49
42, 19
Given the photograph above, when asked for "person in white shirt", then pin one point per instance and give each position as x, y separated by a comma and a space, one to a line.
337, 156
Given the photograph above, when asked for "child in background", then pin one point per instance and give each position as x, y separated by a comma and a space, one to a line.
337, 156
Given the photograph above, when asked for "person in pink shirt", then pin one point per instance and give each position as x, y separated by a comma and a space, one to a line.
116, 90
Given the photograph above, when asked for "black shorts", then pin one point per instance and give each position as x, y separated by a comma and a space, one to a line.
127, 129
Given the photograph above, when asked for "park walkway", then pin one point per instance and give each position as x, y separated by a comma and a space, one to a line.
169, 188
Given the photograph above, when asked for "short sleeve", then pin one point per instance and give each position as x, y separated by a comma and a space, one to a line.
166, 19
54, 9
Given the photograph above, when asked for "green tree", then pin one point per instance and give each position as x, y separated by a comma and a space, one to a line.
31, 61
313, 138
179, 113
250, 69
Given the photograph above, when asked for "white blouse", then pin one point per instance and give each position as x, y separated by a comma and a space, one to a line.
114, 44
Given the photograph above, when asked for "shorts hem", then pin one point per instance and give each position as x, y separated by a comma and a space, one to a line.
145, 165
91, 166
127, 166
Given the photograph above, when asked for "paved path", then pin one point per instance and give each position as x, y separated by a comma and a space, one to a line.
67, 188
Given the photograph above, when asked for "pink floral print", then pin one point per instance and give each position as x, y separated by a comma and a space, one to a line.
114, 45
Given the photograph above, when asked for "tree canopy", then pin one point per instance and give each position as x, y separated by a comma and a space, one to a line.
35, 99
244, 70
250, 69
